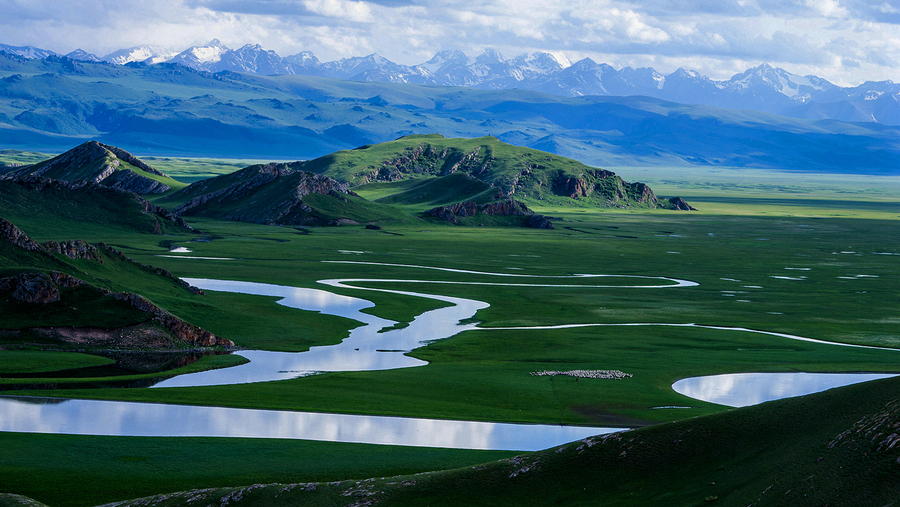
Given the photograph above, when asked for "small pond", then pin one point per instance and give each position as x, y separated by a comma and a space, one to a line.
745, 389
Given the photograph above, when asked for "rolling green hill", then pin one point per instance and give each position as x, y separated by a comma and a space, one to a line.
509, 171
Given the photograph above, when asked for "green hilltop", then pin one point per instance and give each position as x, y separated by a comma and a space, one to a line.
96, 162
525, 174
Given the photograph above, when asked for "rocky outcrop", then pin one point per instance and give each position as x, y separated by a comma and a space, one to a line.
539, 222
75, 249
188, 333
679, 204
605, 185
129, 181
38, 287
31, 288
270, 194
509, 207
426, 159
131, 159
11, 233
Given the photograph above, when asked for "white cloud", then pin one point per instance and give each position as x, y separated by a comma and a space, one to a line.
715, 37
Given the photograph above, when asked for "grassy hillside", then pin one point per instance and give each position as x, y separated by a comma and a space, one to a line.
61, 211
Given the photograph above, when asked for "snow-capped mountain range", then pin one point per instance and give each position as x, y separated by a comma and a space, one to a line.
763, 88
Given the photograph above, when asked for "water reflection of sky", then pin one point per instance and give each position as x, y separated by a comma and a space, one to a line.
92, 417
364, 349
745, 389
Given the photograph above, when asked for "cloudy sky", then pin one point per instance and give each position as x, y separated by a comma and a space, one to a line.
844, 41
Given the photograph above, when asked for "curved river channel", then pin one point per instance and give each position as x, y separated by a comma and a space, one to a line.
370, 346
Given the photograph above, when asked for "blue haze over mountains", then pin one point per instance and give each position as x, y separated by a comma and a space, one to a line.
763, 88
214, 101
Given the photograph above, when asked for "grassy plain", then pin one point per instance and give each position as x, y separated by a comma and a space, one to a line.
822, 262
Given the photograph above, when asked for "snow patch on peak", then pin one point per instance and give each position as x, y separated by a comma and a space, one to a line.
149, 54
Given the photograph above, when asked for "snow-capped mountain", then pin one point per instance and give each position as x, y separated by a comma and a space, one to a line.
29, 52
251, 58
83, 56
372, 68
763, 88
149, 54
200, 57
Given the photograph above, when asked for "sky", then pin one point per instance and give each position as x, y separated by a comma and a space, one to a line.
844, 41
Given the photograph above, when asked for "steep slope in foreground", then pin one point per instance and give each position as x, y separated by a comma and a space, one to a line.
99, 163
833, 448
512, 171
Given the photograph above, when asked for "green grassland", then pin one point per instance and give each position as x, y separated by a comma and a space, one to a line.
790, 266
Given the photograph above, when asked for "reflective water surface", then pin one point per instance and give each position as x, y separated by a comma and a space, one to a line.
91, 417
365, 349
745, 389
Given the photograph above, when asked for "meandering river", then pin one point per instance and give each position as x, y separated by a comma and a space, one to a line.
374, 345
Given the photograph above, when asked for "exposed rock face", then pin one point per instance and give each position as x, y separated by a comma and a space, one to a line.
14, 235
269, 194
43, 288
534, 173
618, 192
38, 287
187, 332
31, 288
131, 159
75, 249
508, 207
539, 222
425, 159
94, 162
680, 204
130, 181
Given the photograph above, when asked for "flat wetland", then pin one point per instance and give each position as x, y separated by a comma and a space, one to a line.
806, 255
